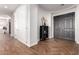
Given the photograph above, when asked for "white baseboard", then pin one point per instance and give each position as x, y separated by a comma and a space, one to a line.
26, 43
35, 43
31, 44
21, 41
77, 42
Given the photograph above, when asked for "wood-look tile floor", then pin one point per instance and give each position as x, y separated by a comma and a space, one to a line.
11, 46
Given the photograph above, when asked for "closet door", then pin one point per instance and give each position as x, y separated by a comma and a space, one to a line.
59, 25
64, 26
69, 26
56, 27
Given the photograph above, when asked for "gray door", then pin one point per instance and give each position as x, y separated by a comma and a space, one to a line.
64, 26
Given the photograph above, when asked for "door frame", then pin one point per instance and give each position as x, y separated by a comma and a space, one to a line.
61, 15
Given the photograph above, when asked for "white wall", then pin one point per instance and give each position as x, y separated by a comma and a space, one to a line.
77, 24
20, 22
33, 24
25, 24
12, 25
7, 25
47, 15
64, 11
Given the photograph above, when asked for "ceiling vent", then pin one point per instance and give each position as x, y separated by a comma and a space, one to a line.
62, 4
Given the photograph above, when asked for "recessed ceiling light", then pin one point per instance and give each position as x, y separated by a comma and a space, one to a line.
5, 7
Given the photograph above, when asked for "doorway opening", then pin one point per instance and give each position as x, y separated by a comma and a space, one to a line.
4, 24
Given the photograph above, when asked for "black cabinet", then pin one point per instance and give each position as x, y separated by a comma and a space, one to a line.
43, 32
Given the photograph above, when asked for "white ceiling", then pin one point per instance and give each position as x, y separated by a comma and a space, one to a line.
10, 8
48, 7
54, 7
